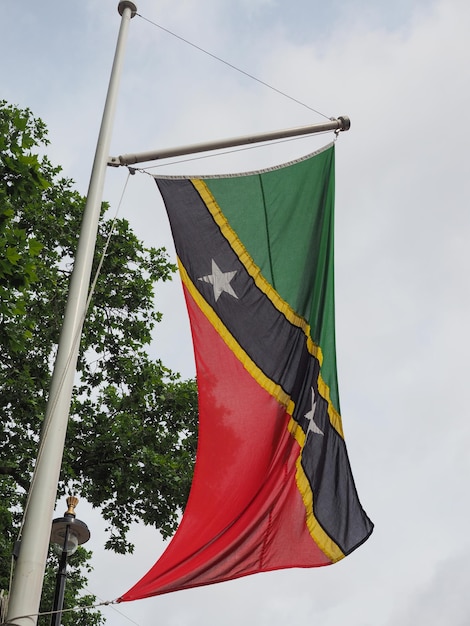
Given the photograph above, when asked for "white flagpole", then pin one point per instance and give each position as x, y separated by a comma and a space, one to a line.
27, 584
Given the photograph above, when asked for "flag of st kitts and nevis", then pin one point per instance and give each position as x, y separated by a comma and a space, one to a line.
272, 484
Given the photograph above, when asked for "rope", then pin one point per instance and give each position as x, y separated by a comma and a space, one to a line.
246, 173
233, 67
75, 608
74, 343
106, 246
121, 613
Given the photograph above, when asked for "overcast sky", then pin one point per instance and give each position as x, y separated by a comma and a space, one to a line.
400, 70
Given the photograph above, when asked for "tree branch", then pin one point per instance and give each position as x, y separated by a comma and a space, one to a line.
6, 470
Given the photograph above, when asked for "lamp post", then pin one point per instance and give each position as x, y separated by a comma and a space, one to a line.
67, 534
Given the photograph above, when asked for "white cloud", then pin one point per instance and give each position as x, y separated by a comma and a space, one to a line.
440, 598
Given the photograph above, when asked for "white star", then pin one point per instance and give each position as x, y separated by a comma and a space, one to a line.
220, 281
312, 426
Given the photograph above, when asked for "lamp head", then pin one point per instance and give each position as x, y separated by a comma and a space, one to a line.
68, 532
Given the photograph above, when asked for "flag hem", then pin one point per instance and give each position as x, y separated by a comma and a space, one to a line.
248, 173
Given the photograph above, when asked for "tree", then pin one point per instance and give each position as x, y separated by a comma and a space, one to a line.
132, 431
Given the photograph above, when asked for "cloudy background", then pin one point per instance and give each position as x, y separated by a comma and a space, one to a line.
401, 72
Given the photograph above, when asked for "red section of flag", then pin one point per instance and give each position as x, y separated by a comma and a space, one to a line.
245, 513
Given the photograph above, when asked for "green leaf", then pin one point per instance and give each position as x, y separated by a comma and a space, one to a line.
12, 255
35, 247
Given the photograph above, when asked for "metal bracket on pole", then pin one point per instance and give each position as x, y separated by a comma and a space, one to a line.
126, 4
336, 124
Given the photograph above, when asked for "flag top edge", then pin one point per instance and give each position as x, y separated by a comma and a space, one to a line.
265, 170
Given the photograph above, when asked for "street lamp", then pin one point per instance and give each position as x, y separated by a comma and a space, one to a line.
67, 534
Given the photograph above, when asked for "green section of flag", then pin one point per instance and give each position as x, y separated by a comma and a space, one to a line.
284, 218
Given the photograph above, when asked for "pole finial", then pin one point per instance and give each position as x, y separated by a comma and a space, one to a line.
72, 502
345, 121
126, 4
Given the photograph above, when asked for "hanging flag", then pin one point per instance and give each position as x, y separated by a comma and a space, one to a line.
272, 485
